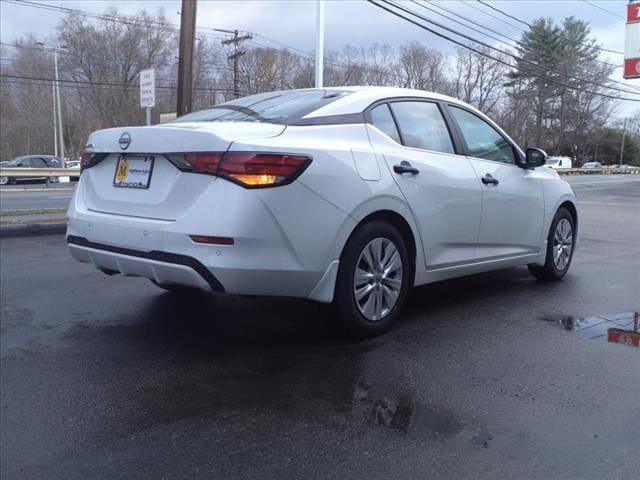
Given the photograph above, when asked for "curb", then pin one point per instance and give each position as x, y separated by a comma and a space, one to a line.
33, 229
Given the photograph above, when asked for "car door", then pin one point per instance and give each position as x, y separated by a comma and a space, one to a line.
512, 197
37, 162
439, 185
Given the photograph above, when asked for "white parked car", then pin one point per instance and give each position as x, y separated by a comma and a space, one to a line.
348, 195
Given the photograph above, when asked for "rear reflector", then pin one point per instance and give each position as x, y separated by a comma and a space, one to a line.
251, 170
212, 240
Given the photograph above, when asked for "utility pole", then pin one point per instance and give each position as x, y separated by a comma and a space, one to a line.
237, 53
319, 43
185, 56
60, 129
624, 134
58, 135
55, 119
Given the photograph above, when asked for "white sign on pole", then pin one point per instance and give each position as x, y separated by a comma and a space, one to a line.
148, 88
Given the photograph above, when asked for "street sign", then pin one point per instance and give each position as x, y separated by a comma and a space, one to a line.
632, 42
148, 88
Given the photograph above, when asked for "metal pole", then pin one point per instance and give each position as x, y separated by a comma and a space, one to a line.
185, 56
60, 129
236, 78
148, 116
319, 43
55, 119
624, 134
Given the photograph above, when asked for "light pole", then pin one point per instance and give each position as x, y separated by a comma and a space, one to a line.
319, 42
58, 136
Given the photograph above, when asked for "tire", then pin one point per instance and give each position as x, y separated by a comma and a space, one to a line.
559, 238
53, 179
4, 180
386, 288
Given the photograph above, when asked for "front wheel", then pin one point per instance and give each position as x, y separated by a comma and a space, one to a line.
373, 279
560, 243
4, 180
53, 179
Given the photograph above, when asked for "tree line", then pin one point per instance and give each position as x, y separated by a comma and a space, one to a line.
555, 94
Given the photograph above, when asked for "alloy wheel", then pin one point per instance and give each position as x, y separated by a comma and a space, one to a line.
377, 279
562, 244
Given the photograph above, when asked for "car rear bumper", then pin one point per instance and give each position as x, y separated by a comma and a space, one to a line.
161, 267
276, 251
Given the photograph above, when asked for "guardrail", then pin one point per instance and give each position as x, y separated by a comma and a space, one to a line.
599, 171
39, 172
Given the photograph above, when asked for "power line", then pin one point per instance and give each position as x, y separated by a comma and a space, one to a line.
521, 21
499, 60
515, 57
517, 42
86, 82
602, 8
505, 13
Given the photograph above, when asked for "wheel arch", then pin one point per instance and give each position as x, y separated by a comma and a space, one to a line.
398, 221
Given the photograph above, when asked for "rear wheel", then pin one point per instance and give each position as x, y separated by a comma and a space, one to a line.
560, 242
4, 180
373, 279
53, 179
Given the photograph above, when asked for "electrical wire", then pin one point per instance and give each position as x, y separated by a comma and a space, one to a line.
519, 20
457, 16
603, 9
515, 57
499, 60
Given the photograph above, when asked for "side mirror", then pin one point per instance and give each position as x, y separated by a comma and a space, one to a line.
535, 157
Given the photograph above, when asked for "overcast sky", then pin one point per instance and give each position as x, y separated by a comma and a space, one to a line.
348, 22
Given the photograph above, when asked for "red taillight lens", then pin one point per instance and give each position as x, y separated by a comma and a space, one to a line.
88, 160
204, 162
262, 169
251, 170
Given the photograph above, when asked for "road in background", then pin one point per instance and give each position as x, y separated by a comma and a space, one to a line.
35, 199
32, 200
110, 377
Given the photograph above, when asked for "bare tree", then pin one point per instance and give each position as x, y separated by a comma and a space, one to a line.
422, 68
478, 79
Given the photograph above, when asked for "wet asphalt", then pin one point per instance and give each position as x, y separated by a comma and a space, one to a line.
110, 377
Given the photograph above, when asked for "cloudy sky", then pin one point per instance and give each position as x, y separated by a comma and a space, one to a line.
348, 22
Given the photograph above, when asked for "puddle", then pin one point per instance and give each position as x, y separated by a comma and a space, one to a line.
598, 327
399, 411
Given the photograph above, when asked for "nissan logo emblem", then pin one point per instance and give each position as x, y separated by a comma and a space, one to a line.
124, 141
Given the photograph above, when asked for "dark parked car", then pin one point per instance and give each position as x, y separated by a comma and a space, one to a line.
31, 161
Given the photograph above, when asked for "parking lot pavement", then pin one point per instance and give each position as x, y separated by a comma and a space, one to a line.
108, 377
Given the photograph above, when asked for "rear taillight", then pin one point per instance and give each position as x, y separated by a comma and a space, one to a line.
88, 160
251, 170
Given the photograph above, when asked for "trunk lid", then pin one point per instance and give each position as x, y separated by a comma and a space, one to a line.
170, 191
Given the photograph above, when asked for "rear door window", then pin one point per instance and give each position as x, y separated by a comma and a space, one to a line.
37, 162
382, 119
423, 126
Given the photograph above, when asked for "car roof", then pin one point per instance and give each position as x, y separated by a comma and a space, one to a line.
360, 97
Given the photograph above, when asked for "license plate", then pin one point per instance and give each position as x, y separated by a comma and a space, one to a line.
133, 171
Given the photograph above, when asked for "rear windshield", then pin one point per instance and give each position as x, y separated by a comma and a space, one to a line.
272, 107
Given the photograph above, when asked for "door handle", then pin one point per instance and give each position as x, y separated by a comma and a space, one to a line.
405, 167
488, 179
